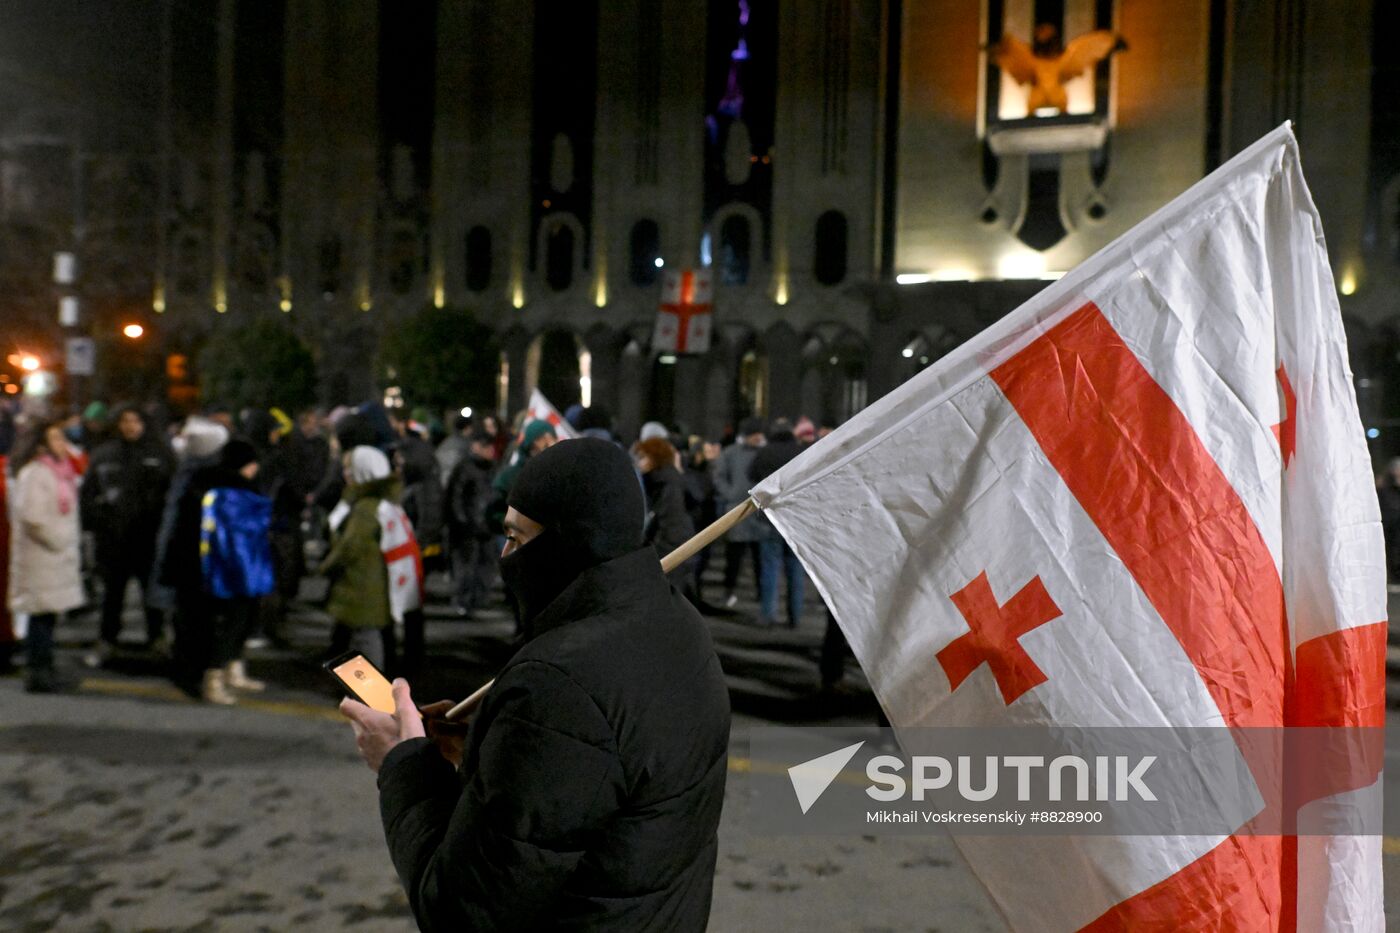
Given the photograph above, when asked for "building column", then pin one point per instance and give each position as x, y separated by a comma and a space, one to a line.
783, 349
516, 346
604, 351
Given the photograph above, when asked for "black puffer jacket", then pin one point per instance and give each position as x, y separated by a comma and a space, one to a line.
123, 495
593, 777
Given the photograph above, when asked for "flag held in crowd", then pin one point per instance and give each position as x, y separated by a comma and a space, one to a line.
402, 559
683, 321
1141, 499
540, 409
235, 552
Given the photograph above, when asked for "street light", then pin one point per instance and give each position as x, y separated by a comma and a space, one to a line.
133, 331
28, 362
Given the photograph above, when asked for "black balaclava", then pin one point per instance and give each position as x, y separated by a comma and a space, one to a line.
585, 494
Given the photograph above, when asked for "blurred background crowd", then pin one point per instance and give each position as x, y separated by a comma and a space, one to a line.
217, 521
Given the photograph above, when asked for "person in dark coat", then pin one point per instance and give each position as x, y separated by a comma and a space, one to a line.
701, 503
592, 777
668, 524
731, 488
468, 531
122, 497
775, 556
209, 632
456, 447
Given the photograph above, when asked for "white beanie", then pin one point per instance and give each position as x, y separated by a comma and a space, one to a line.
200, 437
368, 464
654, 429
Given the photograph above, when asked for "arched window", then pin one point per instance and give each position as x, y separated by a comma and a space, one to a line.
829, 258
646, 250
734, 249
559, 258
478, 259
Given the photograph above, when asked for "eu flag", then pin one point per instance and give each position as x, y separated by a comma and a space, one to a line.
235, 547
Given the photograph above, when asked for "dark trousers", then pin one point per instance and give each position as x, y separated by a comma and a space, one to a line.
209, 633
835, 649
779, 561
413, 624
473, 563
233, 622
116, 571
39, 643
733, 560
288, 566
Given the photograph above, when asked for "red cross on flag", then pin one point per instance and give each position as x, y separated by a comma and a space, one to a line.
541, 409
403, 560
684, 319
1141, 499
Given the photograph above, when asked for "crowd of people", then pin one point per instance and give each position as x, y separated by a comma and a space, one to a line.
217, 517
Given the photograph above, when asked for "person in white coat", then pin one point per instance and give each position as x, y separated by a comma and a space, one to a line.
45, 580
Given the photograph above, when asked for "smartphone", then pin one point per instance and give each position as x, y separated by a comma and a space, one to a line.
363, 681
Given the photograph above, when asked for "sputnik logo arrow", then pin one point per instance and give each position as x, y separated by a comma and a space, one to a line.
811, 778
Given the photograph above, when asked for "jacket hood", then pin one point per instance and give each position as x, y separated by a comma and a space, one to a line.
367, 464
388, 487
201, 438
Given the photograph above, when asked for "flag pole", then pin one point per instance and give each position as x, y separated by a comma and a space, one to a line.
668, 563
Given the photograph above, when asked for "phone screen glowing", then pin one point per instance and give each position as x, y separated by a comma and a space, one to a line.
365, 681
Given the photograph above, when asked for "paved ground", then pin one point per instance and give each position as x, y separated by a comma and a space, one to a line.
128, 807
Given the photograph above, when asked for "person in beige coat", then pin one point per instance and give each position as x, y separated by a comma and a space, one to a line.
44, 540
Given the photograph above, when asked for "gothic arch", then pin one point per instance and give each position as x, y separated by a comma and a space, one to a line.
755, 265
552, 225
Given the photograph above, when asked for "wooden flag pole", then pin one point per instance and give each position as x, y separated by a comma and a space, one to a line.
668, 563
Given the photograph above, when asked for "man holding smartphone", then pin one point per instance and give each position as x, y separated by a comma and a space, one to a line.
591, 779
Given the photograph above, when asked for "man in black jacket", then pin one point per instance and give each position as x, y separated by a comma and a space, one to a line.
468, 535
592, 777
122, 498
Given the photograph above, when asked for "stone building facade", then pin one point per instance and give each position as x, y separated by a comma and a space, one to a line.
865, 184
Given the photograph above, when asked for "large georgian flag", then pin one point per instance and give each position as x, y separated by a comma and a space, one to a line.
1142, 499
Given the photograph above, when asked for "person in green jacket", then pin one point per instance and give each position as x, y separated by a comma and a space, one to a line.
359, 592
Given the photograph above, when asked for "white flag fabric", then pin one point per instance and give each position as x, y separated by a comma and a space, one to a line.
1141, 499
541, 409
403, 561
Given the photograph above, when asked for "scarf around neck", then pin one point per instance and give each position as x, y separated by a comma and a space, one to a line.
67, 478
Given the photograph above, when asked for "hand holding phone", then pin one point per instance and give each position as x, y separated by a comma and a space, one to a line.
363, 681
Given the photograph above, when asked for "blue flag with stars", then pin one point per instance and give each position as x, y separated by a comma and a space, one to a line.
235, 545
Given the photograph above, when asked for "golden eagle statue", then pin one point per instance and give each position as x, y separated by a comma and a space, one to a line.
1047, 65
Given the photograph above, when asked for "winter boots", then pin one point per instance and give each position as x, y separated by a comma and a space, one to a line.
215, 689
219, 682
236, 676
